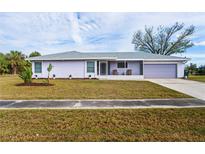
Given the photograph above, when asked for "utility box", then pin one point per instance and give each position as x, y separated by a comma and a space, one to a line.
186, 74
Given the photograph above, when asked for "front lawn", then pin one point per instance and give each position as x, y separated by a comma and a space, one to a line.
84, 89
200, 78
103, 125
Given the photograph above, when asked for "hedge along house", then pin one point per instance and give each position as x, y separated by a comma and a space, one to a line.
108, 65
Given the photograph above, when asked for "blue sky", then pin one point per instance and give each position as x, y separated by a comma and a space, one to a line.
94, 32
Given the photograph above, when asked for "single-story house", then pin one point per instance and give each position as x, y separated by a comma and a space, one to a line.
108, 65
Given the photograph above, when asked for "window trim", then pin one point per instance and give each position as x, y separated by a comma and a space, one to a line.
93, 67
38, 68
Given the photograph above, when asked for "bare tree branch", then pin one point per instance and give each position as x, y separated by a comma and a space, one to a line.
164, 41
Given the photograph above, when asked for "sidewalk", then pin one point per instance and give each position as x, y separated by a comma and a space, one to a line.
100, 104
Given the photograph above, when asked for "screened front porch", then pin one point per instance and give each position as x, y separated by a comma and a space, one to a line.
120, 69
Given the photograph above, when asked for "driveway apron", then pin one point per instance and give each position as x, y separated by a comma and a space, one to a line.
192, 88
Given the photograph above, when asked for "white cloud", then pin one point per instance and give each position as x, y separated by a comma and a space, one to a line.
75, 29
57, 32
194, 55
202, 43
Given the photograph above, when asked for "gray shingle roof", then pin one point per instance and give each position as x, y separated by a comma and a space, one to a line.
74, 55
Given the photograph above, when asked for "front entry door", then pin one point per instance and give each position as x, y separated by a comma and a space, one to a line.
102, 68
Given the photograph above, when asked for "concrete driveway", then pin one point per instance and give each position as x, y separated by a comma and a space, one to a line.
192, 88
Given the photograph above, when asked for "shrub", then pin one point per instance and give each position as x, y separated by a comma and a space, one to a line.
26, 75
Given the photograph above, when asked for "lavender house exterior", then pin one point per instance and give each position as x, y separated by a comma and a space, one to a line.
108, 65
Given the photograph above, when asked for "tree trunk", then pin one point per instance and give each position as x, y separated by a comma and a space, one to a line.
14, 70
48, 77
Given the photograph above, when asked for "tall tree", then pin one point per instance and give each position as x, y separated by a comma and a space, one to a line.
201, 70
165, 40
3, 64
16, 60
35, 54
193, 68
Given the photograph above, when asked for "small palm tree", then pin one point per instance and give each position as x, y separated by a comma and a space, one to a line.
49, 69
26, 75
15, 59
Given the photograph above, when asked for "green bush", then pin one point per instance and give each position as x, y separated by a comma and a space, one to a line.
26, 75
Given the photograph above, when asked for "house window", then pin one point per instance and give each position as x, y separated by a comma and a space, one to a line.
90, 67
122, 64
38, 67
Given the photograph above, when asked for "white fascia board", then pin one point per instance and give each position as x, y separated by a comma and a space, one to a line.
64, 59
152, 59
161, 62
108, 58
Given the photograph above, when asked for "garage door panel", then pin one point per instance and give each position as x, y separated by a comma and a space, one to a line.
160, 71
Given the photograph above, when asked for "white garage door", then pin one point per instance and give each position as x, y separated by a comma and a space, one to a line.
160, 70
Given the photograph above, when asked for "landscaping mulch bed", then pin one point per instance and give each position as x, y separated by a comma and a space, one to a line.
34, 84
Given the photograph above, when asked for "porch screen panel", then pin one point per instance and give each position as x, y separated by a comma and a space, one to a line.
122, 64
98, 68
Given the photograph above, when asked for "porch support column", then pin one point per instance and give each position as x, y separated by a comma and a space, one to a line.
99, 68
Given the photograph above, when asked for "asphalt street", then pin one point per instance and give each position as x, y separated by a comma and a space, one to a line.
93, 104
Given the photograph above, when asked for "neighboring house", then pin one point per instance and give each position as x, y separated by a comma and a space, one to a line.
109, 65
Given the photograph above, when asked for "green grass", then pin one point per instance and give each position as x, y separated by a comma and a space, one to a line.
200, 78
85, 89
103, 125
